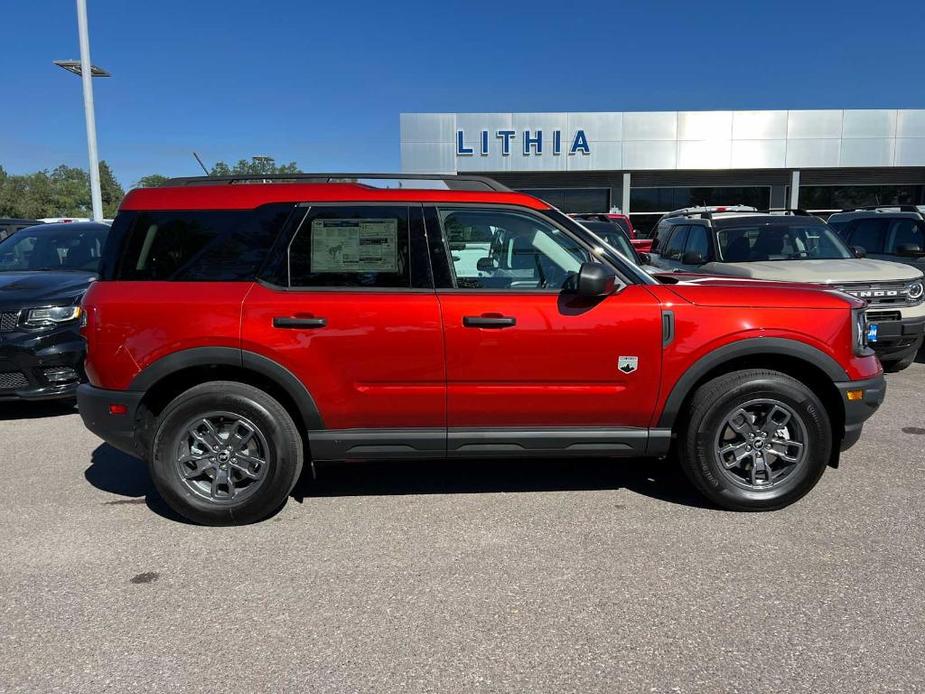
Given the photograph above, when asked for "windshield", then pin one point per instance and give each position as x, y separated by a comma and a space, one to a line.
77, 249
779, 240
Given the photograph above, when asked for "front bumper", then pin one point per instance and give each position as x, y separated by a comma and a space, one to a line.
859, 411
896, 338
118, 430
27, 359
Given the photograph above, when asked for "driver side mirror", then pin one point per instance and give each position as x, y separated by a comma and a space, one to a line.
909, 250
595, 280
859, 252
485, 265
693, 258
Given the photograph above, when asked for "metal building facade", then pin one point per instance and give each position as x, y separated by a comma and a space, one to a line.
626, 154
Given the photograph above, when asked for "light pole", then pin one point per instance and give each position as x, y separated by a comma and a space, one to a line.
87, 72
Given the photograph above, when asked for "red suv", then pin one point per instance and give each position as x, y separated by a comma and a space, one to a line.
241, 329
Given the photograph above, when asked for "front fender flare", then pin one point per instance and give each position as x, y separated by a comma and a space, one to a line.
752, 346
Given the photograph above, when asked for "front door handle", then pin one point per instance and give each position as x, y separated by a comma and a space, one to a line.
489, 321
299, 323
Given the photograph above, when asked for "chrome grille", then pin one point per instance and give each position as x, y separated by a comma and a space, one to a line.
879, 293
8, 321
11, 380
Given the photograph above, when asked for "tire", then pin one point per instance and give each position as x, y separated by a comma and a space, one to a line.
225, 453
894, 365
713, 427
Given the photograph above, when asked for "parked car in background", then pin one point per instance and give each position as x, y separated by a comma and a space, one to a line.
238, 331
44, 272
616, 237
9, 226
620, 220
894, 233
793, 246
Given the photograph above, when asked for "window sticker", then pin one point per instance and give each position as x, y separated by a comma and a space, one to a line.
354, 245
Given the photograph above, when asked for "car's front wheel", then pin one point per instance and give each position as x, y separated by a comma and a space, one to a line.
756, 440
225, 453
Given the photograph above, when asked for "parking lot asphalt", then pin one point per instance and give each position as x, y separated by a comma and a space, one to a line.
551, 576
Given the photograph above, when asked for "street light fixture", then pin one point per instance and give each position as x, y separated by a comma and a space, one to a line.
74, 66
87, 71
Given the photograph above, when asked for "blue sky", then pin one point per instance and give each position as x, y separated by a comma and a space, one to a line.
322, 83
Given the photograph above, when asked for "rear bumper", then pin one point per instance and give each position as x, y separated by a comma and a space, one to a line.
118, 430
859, 411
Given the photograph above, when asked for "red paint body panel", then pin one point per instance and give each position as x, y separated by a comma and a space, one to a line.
642, 245
130, 325
247, 196
558, 365
701, 328
379, 362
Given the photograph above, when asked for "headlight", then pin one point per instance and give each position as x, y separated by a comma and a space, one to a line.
859, 333
41, 317
915, 291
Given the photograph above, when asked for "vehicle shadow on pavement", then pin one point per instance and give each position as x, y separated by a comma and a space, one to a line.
36, 410
116, 472
661, 479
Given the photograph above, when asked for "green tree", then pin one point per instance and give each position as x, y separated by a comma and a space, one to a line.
61, 192
257, 166
151, 181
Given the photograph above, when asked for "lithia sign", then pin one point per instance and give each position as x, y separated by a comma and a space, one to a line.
532, 142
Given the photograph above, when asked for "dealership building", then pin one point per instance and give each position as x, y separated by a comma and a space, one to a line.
648, 163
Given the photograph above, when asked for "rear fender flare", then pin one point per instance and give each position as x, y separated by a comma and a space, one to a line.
242, 359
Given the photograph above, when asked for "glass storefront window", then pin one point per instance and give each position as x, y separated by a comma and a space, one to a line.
674, 198
828, 198
573, 199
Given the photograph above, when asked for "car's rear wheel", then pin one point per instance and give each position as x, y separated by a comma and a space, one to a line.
225, 453
756, 440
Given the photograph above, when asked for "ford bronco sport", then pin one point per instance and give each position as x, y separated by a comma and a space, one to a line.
794, 246
240, 329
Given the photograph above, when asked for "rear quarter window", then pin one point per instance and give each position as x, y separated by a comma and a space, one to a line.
193, 245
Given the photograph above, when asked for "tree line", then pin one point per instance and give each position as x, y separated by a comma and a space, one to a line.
65, 190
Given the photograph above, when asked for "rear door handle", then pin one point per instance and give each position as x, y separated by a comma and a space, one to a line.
299, 323
489, 321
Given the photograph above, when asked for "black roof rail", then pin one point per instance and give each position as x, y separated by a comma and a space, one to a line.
900, 208
452, 181
796, 211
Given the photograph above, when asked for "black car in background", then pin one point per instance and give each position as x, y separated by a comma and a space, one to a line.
44, 272
9, 226
885, 232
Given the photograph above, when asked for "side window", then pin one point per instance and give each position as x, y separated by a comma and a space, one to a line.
674, 246
698, 241
660, 235
351, 246
906, 232
869, 234
195, 245
496, 249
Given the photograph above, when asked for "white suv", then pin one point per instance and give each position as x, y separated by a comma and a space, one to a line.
793, 246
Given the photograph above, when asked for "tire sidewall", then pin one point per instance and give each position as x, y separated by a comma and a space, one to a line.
283, 460
819, 439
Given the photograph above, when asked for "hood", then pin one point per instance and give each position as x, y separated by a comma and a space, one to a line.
756, 294
26, 289
838, 271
